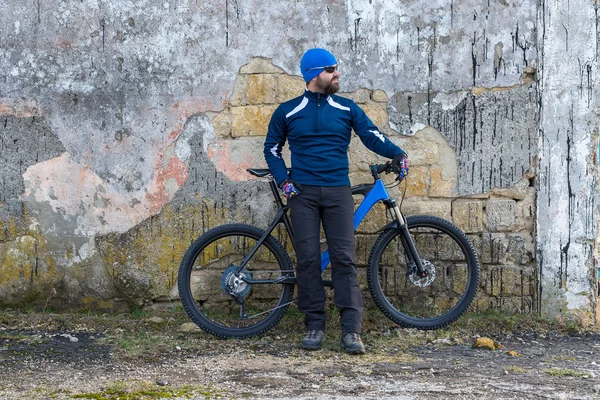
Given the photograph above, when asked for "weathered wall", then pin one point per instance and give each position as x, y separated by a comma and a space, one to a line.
126, 128
568, 201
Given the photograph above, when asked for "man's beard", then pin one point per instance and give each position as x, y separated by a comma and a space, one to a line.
327, 87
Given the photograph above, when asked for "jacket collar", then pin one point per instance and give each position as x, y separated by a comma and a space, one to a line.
315, 96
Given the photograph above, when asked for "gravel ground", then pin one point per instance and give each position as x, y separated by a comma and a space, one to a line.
155, 360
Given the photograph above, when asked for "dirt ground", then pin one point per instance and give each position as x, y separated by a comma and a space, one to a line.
58, 356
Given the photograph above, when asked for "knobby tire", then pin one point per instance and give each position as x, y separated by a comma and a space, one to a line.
201, 274
445, 247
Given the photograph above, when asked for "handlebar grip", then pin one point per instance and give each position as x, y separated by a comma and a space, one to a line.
383, 167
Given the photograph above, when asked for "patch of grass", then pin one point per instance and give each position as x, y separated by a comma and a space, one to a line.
141, 313
563, 372
498, 321
147, 391
20, 337
494, 322
561, 358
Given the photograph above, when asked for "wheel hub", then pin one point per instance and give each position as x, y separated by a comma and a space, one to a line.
234, 284
423, 281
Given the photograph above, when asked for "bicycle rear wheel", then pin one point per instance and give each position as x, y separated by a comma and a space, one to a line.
429, 302
221, 302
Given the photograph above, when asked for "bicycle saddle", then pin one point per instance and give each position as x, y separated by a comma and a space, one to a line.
260, 172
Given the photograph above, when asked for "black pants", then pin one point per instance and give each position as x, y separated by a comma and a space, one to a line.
334, 207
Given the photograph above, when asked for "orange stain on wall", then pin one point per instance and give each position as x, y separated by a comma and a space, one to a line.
235, 171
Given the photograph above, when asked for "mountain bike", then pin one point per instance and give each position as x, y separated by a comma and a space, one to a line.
237, 280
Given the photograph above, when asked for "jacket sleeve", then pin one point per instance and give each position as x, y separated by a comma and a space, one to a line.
276, 137
370, 135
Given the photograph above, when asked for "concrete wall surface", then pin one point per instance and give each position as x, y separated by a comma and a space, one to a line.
126, 128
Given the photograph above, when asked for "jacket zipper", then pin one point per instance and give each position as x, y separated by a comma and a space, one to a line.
318, 110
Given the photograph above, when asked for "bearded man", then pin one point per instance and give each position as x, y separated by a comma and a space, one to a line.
318, 126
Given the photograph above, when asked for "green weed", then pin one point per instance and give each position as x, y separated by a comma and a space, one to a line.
563, 372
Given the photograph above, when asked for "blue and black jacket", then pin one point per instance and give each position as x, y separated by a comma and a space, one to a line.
318, 128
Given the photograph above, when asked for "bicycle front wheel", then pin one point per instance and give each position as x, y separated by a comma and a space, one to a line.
214, 291
450, 284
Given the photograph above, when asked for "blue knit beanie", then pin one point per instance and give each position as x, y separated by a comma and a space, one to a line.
314, 58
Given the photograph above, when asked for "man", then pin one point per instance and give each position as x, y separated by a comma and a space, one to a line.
318, 127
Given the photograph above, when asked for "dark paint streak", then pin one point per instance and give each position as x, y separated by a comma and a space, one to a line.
398, 41
429, 80
589, 84
227, 23
103, 25
474, 122
474, 58
356, 30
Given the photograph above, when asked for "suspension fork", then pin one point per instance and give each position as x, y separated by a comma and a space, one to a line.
407, 241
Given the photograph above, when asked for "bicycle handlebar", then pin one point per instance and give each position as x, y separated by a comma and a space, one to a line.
387, 168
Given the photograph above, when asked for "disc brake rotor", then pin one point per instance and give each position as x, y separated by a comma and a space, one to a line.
423, 281
233, 284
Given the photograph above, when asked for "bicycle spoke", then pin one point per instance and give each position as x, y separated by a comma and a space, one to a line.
227, 299
447, 286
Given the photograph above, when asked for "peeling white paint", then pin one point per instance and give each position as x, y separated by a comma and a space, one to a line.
416, 127
88, 250
209, 133
449, 101
182, 146
567, 219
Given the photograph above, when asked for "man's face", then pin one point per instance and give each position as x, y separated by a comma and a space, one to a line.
328, 82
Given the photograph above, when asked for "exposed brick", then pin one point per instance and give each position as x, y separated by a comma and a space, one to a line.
359, 96
205, 284
262, 89
289, 87
511, 305
374, 220
459, 279
525, 211
251, 120
511, 281
439, 208
364, 244
468, 215
418, 182
377, 113
493, 248
518, 191
239, 95
520, 248
422, 151
440, 187
379, 96
222, 123
500, 215
492, 282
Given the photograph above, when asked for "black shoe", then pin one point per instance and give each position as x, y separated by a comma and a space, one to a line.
313, 340
352, 344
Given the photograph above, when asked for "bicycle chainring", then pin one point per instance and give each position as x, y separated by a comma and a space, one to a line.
233, 284
424, 280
